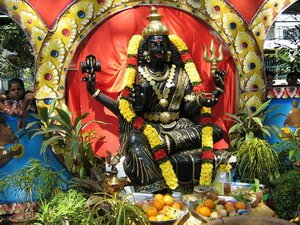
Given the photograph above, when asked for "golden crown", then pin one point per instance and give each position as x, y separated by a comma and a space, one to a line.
155, 26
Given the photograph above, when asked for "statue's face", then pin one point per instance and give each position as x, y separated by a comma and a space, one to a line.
157, 47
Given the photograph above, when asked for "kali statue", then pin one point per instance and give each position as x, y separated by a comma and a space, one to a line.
157, 107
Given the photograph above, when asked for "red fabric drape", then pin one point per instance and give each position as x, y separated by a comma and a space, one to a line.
109, 44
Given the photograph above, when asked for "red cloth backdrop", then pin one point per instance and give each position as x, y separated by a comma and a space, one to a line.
109, 44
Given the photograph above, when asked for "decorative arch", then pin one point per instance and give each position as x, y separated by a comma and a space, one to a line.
54, 49
81, 17
265, 17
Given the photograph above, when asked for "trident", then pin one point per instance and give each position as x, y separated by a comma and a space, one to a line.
213, 59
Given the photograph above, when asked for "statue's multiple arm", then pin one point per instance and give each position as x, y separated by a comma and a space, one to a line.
90, 66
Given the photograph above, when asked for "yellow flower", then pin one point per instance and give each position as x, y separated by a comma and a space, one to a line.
232, 24
178, 42
125, 110
264, 17
205, 110
206, 174
254, 83
253, 103
214, 8
152, 136
169, 174
207, 136
275, 5
244, 43
286, 130
129, 77
259, 32
48, 75
192, 72
55, 52
251, 63
133, 45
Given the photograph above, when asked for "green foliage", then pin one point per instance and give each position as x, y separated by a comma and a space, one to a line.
249, 124
110, 210
68, 138
34, 177
288, 60
287, 194
70, 206
16, 54
256, 159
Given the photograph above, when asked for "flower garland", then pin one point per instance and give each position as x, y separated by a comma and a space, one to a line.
126, 110
156, 144
207, 131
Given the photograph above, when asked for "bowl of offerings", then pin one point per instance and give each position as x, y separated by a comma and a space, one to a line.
163, 209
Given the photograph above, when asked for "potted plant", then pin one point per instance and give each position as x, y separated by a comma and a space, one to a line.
256, 158
286, 194
249, 124
64, 208
68, 138
111, 210
288, 56
30, 183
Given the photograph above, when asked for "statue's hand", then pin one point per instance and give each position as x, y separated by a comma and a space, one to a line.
219, 82
206, 99
90, 83
137, 98
90, 66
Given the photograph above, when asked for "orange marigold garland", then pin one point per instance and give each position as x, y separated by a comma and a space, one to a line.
207, 131
126, 110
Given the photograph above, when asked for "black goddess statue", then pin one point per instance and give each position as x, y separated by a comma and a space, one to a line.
162, 94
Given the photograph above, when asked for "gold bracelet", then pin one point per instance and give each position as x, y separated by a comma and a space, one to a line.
97, 92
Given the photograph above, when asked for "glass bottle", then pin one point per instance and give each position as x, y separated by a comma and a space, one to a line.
221, 182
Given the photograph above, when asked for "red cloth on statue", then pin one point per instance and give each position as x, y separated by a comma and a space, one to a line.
109, 44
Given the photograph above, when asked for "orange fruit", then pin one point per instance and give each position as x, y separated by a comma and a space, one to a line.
209, 203
203, 210
158, 204
240, 205
151, 211
152, 218
162, 212
228, 204
169, 200
176, 205
158, 196
166, 207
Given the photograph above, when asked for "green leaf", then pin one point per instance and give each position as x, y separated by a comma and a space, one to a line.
249, 136
66, 118
292, 152
43, 112
235, 128
266, 131
261, 108
234, 117
47, 142
80, 118
258, 121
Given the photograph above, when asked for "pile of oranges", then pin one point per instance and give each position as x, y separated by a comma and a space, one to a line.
215, 209
162, 208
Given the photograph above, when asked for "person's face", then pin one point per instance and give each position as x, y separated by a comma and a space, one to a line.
16, 91
157, 48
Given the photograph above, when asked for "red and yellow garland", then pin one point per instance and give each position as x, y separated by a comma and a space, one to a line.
156, 144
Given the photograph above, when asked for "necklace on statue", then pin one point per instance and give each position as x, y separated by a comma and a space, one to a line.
168, 75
